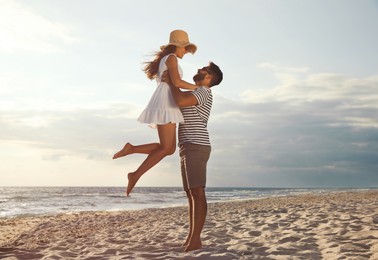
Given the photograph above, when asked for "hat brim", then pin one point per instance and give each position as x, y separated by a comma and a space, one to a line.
190, 47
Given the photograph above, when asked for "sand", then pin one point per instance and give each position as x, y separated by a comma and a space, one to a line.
325, 226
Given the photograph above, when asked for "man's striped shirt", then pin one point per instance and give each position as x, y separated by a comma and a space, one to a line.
194, 129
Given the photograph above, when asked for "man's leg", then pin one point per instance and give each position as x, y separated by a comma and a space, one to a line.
190, 214
199, 216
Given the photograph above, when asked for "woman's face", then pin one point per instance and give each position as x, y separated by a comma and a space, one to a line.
180, 52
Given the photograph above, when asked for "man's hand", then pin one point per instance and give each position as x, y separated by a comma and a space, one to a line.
166, 78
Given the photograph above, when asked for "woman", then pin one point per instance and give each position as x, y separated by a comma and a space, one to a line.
161, 112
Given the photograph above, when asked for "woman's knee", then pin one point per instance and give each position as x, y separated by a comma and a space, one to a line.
172, 150
168, 150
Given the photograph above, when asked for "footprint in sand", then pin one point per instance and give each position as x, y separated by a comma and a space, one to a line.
289, 239
255, 233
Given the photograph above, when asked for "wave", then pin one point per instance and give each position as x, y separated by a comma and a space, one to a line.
39, 201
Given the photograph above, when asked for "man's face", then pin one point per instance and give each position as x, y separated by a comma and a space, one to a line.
201, 74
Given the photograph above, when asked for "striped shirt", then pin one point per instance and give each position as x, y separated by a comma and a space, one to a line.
194, 129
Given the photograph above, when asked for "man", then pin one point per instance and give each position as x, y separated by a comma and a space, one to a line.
195, 146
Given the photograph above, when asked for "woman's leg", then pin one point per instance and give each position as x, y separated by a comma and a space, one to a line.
130, 149
167, 146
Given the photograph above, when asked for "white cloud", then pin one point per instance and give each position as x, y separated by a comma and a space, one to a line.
21, 29
320, 131
344, 91
85, 132
276, 67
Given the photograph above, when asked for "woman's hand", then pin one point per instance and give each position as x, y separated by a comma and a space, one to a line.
166, 78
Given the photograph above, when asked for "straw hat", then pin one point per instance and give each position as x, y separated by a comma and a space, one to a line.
180, 38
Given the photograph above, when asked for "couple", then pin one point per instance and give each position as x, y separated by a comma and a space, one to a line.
190, 109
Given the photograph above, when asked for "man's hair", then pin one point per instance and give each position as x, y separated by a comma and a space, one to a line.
216, 74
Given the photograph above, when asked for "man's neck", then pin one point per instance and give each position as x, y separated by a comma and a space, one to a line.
199, 84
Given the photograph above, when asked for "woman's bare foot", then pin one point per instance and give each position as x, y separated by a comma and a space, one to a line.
125, 151
133, 179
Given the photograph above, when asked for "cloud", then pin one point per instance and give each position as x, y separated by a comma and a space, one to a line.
22, 29
320, 131
70, 144
90, 133
347, 100
275, 66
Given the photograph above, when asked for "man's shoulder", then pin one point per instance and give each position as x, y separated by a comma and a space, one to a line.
202, 94
203, 90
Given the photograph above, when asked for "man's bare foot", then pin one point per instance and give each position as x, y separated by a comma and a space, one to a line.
133, 179
125, 151
193, 245
186, 241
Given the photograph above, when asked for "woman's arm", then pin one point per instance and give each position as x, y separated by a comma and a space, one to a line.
172, 66
183, 99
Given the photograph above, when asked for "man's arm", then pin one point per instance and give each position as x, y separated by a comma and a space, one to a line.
183, 99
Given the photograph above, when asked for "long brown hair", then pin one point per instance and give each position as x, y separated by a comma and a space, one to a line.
152, 67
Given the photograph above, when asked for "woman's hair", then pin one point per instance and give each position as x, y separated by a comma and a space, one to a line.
152, 67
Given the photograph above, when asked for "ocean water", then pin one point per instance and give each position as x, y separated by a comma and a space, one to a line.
33, 201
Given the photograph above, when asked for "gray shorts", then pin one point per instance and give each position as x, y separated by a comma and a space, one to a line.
194, 159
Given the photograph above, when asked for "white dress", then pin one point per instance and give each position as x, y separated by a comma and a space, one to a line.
161, 108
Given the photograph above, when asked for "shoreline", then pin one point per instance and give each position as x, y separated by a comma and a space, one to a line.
307, 226
131, 207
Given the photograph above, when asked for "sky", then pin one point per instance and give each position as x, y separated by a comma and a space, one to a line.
298, 106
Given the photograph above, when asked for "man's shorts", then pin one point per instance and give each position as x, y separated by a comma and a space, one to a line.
194, 159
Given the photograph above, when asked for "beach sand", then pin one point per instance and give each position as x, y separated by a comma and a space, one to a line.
326, 226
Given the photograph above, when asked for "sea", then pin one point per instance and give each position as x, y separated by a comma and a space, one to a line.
37, 201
